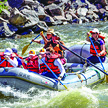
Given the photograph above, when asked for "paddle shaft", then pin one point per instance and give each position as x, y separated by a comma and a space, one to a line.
52, 72
97, 53
35, 38
2, 62
83, 58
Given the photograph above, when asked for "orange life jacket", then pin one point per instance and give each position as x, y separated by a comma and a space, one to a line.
50, 63
30, 66
5, 63
97, 47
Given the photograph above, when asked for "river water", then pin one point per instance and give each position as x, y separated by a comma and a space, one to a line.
84, 97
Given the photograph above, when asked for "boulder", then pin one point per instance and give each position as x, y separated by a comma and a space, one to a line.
15, 3
31, 15
82, 11
7, 30
17, 18
54, 10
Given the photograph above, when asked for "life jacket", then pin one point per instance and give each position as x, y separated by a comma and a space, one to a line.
43, 66
97, 47
5, 63
101, 36
50, 63
30, 66
59, 50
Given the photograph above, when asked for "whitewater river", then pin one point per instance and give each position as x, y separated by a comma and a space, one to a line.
84, 97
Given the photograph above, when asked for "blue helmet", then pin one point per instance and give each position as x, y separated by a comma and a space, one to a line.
14, 50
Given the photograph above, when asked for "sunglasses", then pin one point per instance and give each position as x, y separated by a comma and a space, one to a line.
48, 54
94, 33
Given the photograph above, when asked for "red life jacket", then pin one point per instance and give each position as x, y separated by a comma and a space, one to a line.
101, 36
43, 67
30, 66
50, 63
5, 63
97, 47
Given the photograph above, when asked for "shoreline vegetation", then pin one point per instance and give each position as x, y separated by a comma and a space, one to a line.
22, 17
2, 6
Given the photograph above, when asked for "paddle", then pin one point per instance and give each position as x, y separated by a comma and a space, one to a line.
53, 73
25, 47
83, 58
98, 58
2, 61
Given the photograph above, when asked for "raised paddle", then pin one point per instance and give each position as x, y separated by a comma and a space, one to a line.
25, 47
98, 58
53, 73
83, 58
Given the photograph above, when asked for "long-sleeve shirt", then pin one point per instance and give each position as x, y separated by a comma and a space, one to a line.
13, 62
58, 63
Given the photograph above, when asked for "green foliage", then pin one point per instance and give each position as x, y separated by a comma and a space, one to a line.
2, 6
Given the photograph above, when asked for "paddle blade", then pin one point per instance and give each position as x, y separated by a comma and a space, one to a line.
25, 48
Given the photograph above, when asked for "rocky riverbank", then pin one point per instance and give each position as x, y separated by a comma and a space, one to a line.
32, 16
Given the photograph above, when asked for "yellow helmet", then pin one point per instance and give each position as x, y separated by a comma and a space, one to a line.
42, 51
32, 52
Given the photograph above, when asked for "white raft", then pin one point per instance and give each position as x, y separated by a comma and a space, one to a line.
21, 79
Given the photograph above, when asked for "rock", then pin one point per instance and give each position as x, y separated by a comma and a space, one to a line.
54, 10
31, 15
106, 8
41, 26
17, 18
82, 11
3, 20
7, 30
5, 14
49, 20
15, 3
84, 19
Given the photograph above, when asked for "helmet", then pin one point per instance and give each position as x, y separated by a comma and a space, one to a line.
95, 30
32, 52
42, 51
14, 50
8, 51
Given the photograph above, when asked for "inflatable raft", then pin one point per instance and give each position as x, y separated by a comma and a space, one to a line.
76, 76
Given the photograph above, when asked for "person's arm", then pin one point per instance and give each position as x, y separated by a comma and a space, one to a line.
102, 49
44, 38
87, 38
37, 41
58, 63
23, 64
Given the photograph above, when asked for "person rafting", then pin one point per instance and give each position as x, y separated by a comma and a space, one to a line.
7, 58
54, 63
42, 66
19, 58
32, 62
51, 40
99, 44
